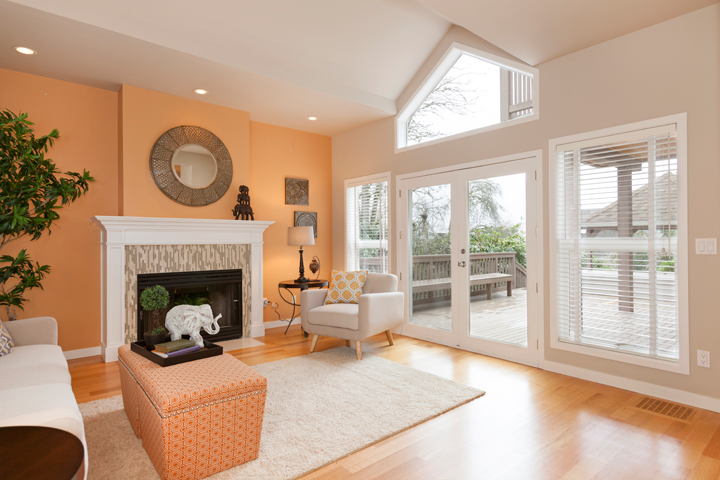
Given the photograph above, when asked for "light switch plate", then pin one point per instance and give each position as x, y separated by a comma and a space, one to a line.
706, 246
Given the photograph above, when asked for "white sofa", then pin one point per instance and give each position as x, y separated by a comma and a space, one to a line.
35, 382
380, 309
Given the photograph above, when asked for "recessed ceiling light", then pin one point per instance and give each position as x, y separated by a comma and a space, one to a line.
200, 91
24, 50
312, 119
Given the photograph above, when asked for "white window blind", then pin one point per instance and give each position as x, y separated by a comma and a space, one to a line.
616, 259
367, 226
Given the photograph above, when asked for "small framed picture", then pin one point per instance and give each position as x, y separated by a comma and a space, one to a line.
297, 191
306, 219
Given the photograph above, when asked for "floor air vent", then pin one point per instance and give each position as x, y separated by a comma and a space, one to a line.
668, 409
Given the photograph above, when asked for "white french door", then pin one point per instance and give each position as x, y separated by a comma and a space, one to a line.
469, 258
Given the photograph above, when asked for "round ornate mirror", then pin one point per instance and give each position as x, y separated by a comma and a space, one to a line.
191, 166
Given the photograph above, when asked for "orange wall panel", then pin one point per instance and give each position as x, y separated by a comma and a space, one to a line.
87, 120
277, 153
111, 135
145, 116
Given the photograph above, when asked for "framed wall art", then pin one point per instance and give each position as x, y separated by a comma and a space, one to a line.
297, 191
306, 219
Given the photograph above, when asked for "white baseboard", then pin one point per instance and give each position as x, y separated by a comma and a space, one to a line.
651, 389
109, 353
257, 330
81, 353
281, 323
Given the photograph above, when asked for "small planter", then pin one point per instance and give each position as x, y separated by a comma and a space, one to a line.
152, 340
153, 300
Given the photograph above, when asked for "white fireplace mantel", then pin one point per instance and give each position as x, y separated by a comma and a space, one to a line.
117, 232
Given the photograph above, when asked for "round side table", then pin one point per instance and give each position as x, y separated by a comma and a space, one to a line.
288, 284
39, 453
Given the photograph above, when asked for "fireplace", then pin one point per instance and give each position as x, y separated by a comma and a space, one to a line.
221, 289
133, 246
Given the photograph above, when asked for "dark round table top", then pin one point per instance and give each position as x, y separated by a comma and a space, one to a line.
311, 284
42, 453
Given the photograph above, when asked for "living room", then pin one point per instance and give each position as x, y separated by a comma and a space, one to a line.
113, 86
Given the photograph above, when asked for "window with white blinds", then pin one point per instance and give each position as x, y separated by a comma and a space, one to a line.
617, 262
367, 224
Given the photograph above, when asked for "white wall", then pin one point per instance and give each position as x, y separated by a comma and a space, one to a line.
669, 68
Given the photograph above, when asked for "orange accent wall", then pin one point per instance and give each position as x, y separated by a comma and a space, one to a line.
263, 155
111, 135
145, 115
87, 120
277, 153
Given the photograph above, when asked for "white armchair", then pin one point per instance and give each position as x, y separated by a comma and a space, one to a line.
380, 309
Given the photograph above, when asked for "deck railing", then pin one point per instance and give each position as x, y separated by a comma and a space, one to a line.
437, 267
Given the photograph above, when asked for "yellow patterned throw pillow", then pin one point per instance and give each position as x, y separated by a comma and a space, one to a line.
6, 341
345, 287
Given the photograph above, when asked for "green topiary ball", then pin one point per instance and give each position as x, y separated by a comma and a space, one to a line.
154, 298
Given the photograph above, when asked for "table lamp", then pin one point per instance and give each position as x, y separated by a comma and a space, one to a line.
301, 236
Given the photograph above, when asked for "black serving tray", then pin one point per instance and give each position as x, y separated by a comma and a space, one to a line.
209, 350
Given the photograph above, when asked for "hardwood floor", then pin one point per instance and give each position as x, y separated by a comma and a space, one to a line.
531, 424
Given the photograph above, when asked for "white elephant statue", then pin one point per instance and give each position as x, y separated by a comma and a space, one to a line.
189, 319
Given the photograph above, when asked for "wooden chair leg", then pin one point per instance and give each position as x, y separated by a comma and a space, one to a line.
314, 343
358, 349
347, 343
389, 335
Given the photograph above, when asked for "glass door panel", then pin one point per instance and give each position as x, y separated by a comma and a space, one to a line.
430, 257
497, 266
467, 258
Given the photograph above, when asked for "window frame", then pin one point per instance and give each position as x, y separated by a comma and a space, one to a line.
438, 72
357, 182
682, 366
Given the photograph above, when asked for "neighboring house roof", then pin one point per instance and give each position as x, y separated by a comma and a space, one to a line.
607, 217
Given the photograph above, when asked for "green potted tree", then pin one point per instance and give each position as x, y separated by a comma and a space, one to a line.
153, 300
32, 191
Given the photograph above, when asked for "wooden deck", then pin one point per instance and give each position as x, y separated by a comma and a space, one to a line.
502, 319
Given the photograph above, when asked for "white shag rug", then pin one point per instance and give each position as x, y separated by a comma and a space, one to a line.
320, 408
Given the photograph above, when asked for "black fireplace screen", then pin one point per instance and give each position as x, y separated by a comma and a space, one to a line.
221, 289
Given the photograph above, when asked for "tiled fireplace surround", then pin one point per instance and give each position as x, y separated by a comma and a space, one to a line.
136, 245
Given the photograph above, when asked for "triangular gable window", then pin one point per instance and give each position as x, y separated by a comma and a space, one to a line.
468, 92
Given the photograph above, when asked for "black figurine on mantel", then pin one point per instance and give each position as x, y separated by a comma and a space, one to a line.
243, 208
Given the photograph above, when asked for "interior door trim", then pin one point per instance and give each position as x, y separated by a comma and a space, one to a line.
465, 166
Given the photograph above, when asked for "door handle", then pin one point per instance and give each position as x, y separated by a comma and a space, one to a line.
461, 264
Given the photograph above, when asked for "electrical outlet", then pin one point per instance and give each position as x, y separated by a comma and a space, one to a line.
265, 302
703, 358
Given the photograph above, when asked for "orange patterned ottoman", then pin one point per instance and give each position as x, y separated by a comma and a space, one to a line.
196, 418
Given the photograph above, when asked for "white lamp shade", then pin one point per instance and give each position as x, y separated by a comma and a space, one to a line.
300, 236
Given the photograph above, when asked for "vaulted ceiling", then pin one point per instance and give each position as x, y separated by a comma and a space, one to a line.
345, 62
536, 31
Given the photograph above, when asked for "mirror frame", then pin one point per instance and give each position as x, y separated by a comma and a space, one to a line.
161, 166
